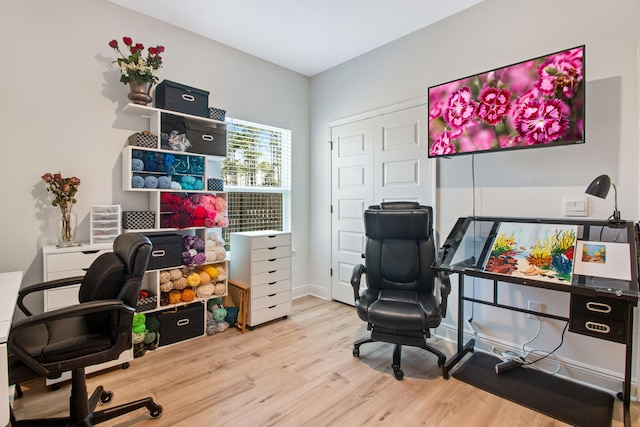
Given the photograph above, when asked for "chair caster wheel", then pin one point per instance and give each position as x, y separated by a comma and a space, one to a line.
398, 374
125, 365
106, 397
155, 410
54, 387
620, 395
356, 352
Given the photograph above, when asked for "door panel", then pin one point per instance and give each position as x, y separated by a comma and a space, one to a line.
380, 159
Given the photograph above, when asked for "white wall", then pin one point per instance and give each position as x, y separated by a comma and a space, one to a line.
521, 183
61, 105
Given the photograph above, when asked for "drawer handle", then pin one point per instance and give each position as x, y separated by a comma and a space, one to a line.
272, 295
91, 252
188, 97
271, 248
159, 252
271, 260
273, 236
271, 283
182, 322
273, 306
598, 307
273, 271
207, 137
597, 327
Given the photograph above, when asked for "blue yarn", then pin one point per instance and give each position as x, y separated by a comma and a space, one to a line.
137, 165
164, 182
137, 182
151, 182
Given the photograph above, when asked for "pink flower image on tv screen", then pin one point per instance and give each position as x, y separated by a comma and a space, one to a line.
539, 102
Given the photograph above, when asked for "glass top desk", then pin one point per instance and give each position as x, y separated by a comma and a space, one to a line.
595, 261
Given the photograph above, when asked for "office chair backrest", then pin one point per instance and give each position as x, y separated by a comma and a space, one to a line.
400, 248
116, 275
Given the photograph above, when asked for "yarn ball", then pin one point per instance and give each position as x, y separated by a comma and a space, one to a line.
188, 295
137, 165
212, 327
214, 303
139, 319
193, 279
205, 279
164, 182
220, 252
175, 185
138, 338
165, 276
153, 324
181, 283
166, 286
175, 273
219, 289
138, 349
209, 315
175, 296
137, 182
205, 291
219, 314
222, 326
151, 182
232, 315
211, 271
140, 329
199, 258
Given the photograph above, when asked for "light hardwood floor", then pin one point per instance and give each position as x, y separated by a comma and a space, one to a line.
294, 372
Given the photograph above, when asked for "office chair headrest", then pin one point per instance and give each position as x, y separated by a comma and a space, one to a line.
130, 248
398, 220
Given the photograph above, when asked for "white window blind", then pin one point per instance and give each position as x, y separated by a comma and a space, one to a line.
257, 177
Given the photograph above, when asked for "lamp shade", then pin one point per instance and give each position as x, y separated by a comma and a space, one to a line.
599, 187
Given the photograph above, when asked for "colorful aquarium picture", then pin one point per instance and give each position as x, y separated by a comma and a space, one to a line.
536, 251
595, 253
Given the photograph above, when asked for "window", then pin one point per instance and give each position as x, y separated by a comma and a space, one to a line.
257, 177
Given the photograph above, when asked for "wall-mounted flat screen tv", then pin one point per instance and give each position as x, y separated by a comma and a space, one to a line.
535, 103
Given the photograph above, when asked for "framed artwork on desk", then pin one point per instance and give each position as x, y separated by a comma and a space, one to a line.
603, 259
533, 250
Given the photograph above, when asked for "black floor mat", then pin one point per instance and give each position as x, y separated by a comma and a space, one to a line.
564, 400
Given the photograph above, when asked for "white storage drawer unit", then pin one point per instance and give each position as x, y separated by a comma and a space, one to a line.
262, 260
61, 263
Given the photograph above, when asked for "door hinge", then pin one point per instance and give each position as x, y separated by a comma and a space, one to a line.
331, 209
331, 272
331, 144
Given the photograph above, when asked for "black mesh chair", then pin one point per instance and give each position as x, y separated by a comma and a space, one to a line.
399, 302
94, 331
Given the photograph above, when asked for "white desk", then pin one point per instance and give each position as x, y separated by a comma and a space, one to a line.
10, 285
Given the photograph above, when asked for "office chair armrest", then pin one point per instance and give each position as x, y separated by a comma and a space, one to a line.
445, 290
18, 327
39, 287
356, 278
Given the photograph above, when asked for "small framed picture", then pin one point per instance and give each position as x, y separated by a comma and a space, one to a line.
603, 259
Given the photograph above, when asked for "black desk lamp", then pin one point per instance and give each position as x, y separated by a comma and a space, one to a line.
599, 187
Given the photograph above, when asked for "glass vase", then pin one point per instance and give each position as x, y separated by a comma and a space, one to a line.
68, 222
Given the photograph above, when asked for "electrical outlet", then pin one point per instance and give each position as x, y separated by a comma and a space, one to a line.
534, 306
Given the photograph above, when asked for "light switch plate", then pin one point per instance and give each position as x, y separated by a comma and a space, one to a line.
575, 206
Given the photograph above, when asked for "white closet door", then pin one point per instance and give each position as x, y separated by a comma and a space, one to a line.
351, 194
383, 158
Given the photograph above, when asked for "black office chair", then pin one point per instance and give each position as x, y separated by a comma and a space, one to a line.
399, 303
94, 331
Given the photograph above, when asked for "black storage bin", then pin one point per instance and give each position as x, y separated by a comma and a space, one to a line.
185, 99
207, 140
166, 251
184, 323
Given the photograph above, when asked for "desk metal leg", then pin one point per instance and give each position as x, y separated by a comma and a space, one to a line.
462, 348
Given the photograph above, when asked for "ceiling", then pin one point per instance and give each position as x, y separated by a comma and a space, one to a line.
306, 36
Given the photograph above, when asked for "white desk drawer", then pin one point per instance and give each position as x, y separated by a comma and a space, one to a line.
72, 260
60, 297
269, 313
270, 276
270, 288
65, 274
271, 253
271, 241
271, 264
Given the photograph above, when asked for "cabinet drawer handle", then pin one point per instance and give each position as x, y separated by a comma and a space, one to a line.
598, 307
90, 252
271, 260
597, 327
182, 322
273, 306
271, 248
271, 283
188, 97
272, 271
157, 253
272, 295
273, 236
